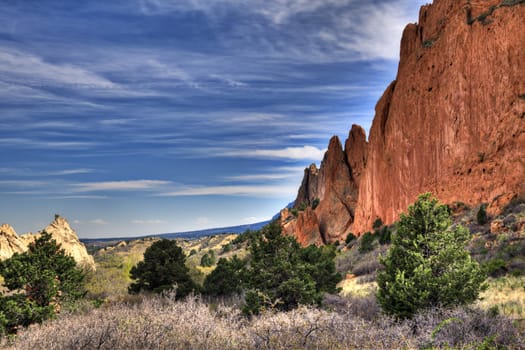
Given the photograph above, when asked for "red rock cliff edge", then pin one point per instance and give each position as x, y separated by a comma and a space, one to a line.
452, 123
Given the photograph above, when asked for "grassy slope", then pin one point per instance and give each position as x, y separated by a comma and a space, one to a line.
499, 245
114, 263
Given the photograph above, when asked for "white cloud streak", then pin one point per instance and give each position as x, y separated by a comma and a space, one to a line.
262, 191
133, 185
70, 172
35, 71
30, 143
259, 177
99, 222
292, 153
148, 222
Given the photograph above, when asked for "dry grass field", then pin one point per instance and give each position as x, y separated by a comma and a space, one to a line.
163, 323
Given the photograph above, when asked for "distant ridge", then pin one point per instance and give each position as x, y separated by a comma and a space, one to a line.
186, 234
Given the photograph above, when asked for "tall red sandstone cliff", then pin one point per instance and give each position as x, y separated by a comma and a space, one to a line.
453, 121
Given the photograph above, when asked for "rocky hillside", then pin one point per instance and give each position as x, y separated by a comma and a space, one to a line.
452, 123
11, 243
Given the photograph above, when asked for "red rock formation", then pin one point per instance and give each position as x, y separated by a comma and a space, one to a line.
305, 227
335, 184
309, 190
356, 152
453, 121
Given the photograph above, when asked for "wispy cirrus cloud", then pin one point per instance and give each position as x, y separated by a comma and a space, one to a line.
99, 222
71, 172
29, 69
359, 30
46, 144
73, 197
149, 222
22, 183
259, 177
277, 175
131, 185
34, 172
292, 153
236, 190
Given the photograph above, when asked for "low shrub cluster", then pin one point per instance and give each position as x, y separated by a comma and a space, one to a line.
161, 322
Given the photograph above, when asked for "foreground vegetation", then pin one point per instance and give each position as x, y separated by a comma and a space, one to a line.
161, 322
38, 282
271, 278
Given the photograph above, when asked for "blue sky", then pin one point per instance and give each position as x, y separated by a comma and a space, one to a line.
148, 116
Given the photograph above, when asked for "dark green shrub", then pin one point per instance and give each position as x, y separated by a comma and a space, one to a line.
227, 278
255, 302
193, 252
481, 216
227, 248
366, 243
162, 269
512, 3
208, 259
315, 203
428, 43
302, 206
377, 223
350, 238
385, 235
283, 275
38, 281
427, 264
245, 236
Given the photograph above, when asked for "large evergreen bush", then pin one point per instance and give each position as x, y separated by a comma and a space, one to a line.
427, 264
227, 278
283, 275
162, 269
38, 282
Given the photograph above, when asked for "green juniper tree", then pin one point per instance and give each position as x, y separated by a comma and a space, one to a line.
163, 268
283, 275
427, 264
227, 278
39, 281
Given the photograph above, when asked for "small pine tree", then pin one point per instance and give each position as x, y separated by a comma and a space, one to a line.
47, 277
427, 264
163, 268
